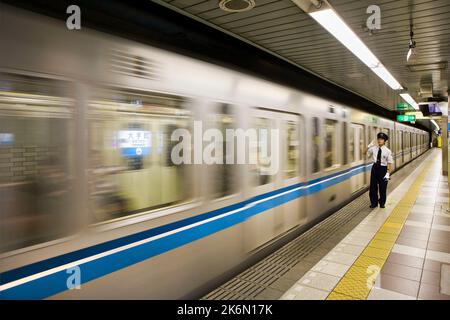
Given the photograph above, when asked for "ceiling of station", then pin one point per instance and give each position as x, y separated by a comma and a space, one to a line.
281, 27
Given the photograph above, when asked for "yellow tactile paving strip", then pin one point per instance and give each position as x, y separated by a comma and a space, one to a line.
359, 279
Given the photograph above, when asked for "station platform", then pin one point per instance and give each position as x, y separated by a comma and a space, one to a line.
358, 253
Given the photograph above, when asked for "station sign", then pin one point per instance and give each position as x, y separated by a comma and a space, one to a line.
406, 118
403, 106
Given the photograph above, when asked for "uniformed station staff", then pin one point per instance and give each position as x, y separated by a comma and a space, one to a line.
379, 177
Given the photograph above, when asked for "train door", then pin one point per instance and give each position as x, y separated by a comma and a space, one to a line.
223, 178
399, 157
357, 147
292, 165
411, 145
416, 145
406, 146
264, 177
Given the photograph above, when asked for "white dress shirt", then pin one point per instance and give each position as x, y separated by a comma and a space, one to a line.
386, 155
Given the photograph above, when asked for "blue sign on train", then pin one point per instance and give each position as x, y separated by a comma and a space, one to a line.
6, 138
135, 142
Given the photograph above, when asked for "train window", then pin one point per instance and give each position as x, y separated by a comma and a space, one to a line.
362, 146
373, 133
131, 167
315, 144
344, 142
403, 140
407, 140
292, 149
411, 141
36, 161
387, 131
351, 144
356, 142
224, 173
330, 143
262, 170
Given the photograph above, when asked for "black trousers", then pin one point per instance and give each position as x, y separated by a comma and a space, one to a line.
377, 184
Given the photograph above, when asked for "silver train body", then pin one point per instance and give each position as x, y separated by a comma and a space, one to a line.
76, 209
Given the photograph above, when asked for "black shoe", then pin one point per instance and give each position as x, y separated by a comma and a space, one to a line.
382, 206
373, 206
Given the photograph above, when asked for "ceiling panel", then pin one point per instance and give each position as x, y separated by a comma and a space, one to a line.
279, 26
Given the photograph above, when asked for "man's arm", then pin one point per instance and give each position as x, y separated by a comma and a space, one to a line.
390, 161
369, 150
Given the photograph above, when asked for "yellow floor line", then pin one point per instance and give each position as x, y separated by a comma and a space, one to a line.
360, 278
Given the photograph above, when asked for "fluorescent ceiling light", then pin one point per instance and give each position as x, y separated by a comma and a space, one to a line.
331, 21
409, 54
407, 97
435, 124
387, 77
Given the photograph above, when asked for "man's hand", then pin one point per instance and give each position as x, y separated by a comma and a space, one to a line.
387, 177
371, 144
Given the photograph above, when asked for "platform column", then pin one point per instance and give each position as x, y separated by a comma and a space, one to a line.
447, 150
444, 143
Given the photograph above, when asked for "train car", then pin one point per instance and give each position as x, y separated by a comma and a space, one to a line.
87, 214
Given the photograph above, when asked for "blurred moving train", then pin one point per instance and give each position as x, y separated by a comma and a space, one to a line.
76, 205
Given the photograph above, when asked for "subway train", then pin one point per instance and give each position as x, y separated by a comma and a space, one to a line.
92, 204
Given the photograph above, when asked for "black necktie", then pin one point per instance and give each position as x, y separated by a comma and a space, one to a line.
379, 157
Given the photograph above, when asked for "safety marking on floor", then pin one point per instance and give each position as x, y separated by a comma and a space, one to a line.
360, 277
339, 296
381, 244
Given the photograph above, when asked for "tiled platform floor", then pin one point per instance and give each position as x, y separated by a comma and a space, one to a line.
400, 252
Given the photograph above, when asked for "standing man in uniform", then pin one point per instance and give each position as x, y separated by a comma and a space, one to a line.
379, 177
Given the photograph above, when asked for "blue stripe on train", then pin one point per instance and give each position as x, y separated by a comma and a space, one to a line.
56, 282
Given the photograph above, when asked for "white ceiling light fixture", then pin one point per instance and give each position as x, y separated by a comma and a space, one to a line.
435, 124
412, 44
407, 97
236, 5
324, 14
